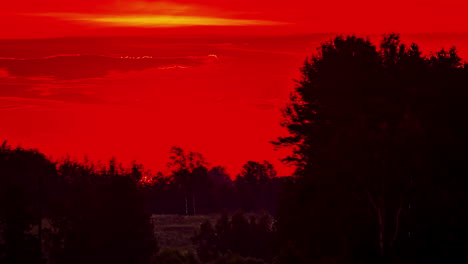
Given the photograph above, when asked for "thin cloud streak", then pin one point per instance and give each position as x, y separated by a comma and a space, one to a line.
85, 79
66, 67
156, 21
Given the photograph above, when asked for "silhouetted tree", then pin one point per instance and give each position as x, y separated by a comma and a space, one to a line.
368, 127
190, 173
223, 192
256, 173
252, 183
106, 219
25, 177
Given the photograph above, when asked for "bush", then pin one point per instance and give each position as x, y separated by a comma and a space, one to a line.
238, 235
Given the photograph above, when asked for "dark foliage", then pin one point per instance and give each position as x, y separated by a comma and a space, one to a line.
93, 216
193, 188
379, 137
108, 222
22, 172
95, 213
238, 235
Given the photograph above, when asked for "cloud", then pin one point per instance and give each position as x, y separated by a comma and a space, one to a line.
156, 20
72, 67
156, 14
14, 107
10, 103
162, 7
81, 78
43, 92
3, 73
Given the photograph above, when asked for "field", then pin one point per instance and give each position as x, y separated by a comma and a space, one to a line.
172, 231
176, 231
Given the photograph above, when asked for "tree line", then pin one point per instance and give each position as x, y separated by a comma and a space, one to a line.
193, 187
73, 212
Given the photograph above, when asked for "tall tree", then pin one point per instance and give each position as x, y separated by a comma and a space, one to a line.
25, 180
256, 172
104, 219
190, 173
364, 137
252, 184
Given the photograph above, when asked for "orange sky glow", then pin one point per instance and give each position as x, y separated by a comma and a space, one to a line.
130, 79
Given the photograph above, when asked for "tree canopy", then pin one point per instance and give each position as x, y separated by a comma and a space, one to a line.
379, 139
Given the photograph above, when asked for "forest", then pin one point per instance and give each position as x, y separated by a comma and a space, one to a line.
378, 136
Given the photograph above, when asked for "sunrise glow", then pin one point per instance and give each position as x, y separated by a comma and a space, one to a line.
155, 21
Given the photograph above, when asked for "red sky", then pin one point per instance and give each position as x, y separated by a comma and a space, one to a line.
132, 78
